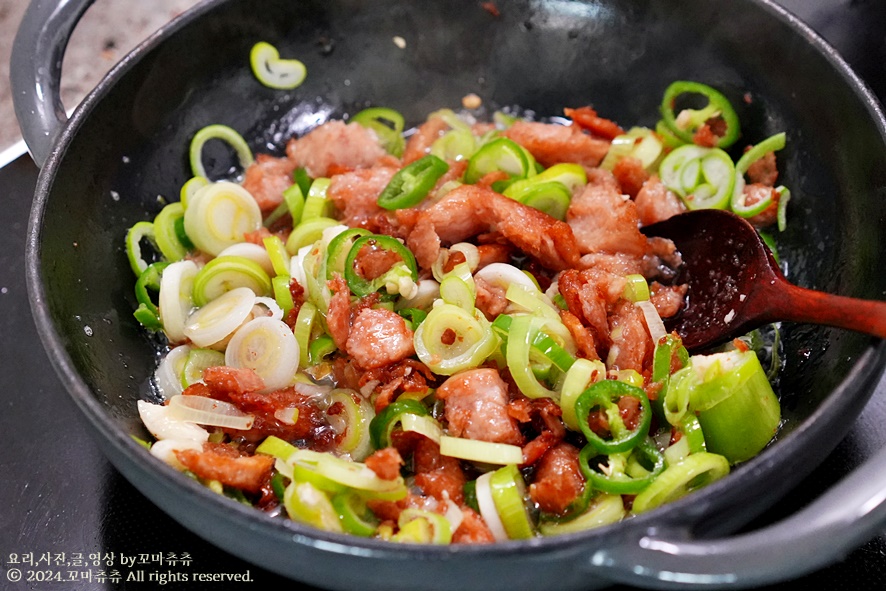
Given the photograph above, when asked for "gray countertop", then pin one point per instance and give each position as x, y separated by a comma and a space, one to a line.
108, 31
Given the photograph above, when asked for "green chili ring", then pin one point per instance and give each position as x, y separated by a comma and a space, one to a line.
621, 483
361, 286
387, 124
384, 423
412, 183
605, 394
338, 249
717, 104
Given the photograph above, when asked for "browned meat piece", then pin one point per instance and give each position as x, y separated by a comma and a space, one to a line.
246, 473
476, 407
558, 480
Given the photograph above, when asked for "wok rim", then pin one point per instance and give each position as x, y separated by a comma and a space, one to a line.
862, 378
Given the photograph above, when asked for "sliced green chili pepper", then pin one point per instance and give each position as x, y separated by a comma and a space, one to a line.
625, 473
320, 348
543, 343
147, 312
717, 106
139, 231
383, 423
302, 179
412, 183
604, 395
361, 286
414, 316
166, 234
388, 125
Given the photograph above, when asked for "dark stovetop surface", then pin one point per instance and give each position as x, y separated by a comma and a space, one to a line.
62, 503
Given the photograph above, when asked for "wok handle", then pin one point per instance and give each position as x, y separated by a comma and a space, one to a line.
825, 531
35, 71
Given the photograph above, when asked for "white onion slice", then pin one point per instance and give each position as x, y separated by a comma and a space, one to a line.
207, 411
220, 317
162, 424
168, 375
427, 291
255, 253
502, 275
176, 285
311, 390
166, 448
488, 510
272, 308
297, 268
653, 320
269, 348
453, 514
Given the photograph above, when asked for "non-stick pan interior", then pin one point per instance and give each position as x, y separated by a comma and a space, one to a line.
125, 156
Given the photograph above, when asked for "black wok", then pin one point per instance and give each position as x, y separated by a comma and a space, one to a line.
126, 144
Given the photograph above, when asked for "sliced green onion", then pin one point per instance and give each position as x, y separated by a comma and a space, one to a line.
453, 290
735, 404
139, 231
175, 299
387, 124
166, 234
694, 472
639, 142
282, 293
636, 288
522, 334
475, 450
455, 144
307, 504
500, 154
352, 474
219, 318
225, 134
308, 233
784, 195
603, 510
191, 186
268, 347
317, 204
451, 339
355, 416
582, 373
355, 516
276, 249
225, 273
508, 491
419, 526
320, 348
197, 361
685, 124
304, 327
220, 215
702, 177
412, 183
273, 72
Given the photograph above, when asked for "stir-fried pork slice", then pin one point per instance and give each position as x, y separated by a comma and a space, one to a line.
552, 143
222, 463
476, 407
385, 463
558, 480
437, 475
419, 143
632, 347
266, 179
470, 210
764, 171
656, 203
605, 220
336, 146
631, 175
355, 194
472, 530
379, 337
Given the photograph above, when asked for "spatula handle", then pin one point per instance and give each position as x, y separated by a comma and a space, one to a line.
797, 304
